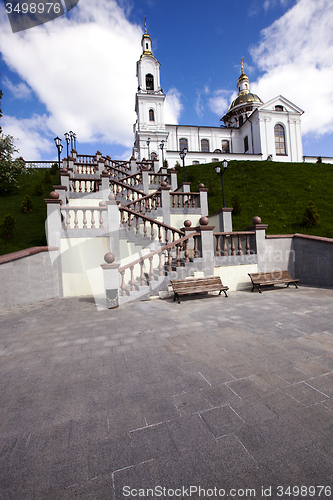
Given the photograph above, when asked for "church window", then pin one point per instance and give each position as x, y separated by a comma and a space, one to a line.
280, 142
225, 146
153, 156
146, 46
205, 145
246, 143
241, 120
183, 143
278, 108
195, 162
149, 82
151, 115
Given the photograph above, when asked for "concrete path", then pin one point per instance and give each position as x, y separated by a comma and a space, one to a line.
213, 398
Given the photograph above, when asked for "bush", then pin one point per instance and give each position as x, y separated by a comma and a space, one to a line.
165, 164
237, 207
54, 169
47, 177
9, 169
27, 204
310, 217
319, 159
7, 227
38, 189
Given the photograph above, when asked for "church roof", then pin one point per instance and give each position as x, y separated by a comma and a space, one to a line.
244, 98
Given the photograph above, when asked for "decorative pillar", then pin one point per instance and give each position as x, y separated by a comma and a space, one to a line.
113, 217
98, 155
133, 165
61, 190
174, 182
53, 230
145, 179
259, 242
74, 154
70, 164
203, 200
65, 178
100, 165
185, 187
111, 281
165, 202
105, 178
206, 245
225, 220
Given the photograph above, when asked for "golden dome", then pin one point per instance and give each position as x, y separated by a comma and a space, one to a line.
244, 98
243, 77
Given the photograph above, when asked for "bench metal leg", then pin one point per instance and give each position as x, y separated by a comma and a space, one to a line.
225, 293
176, 296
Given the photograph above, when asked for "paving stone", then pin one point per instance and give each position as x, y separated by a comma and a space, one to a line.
188, 403
222, 421
305, 394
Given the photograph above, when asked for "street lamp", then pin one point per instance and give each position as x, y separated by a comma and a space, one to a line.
67, 139
74, 137
221, 171
161, 148
71, 133
59, 146
148, 142
182, 154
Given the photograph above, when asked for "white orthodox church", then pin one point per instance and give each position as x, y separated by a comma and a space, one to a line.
250, 129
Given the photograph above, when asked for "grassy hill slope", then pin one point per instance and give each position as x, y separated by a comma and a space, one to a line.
277, 192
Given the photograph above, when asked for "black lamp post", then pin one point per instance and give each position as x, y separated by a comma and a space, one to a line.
221, 171
182, 154
71, 134
57, 140
148, 142
67, 139
161, 148
74, 137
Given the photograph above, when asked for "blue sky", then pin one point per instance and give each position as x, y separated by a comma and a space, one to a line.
78, 71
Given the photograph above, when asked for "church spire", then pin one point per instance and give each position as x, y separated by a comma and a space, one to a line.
243, 83
146, 42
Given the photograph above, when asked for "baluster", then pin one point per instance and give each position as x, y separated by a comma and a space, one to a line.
132, 279
225, 246
160, 265
158, 201
86, 186
173, 236
173, 201
151, 270
196, 253
137, 224
101, 219
178, 205
239, 245
232, 245
142, 275
166, 236
129, 222
92, 218
80, 187
122, 218
193, 201
186, 251
84, 219
123, 285
178, 255
152, 234
144, 228
218, 248
169, 260
247, 244
68, 219
159, 234
76, 222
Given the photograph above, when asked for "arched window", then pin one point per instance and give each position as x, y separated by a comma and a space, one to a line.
205, 145
151, 115
183, 143
246, 144
280, 142
225, 146
149, 81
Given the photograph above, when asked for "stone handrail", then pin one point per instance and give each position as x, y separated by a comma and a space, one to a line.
40, 164
185, 200
85, 168
79, 185
141, 221
158, 178
123, 165
146, 203
177, 244
87, 159
119, 188
228, 243
132, 180
116, 173
81, 221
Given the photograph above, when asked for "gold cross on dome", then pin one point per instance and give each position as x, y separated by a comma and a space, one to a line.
145, 25
242, 64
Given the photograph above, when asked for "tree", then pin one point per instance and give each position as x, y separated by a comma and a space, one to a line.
7, 227
310, 217
9, 168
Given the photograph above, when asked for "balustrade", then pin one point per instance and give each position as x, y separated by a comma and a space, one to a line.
145, 203
185, 200
86, 159
228, 247
85, 168
83, 185
83, 217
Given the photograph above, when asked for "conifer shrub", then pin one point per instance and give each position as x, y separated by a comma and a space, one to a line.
27, 204
7, 227
47, 177
319, 159
54, 169
165, 164
237, 207
310, 217
38, 189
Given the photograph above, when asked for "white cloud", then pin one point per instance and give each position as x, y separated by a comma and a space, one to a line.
19, 91
296, 55
82, 68
29, 136
271, 3
173, 106
220, 100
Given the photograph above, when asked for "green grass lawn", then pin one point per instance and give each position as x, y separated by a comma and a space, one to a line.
29, 230
277, 192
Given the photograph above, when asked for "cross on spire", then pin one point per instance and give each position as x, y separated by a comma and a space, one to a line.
145, 26
242, 64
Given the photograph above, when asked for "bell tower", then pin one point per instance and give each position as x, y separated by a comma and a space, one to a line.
149, 104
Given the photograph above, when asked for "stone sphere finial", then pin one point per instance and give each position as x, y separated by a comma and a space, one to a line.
201, 185
64, 171
98, 152
164, 184
111, 196
102, 204
187, 223
256, 220
109, 258
204, 221
54, 195
105, 172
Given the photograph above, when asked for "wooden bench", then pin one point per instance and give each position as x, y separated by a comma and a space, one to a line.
272, 278
198, 285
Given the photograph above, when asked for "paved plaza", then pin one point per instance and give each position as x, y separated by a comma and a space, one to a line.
213, 398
